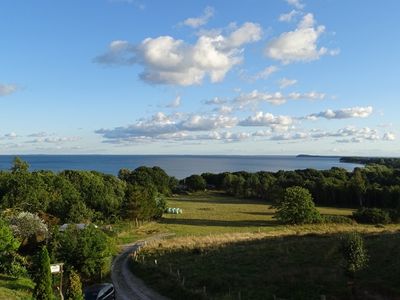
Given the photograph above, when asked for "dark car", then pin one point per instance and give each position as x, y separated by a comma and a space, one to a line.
102, 291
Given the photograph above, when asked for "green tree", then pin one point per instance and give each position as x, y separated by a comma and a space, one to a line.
358, 185
19, 166
297, 207
88, 250
354, 253
195, 183
43, 290
74, 289
8, 247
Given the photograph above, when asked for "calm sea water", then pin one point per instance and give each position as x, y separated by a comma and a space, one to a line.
179, 166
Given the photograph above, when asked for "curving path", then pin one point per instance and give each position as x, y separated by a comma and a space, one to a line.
127, 285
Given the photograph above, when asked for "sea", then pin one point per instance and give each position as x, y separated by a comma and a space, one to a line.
179, 166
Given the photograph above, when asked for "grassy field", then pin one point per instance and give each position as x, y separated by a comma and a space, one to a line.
213, 213
227, 248
13, 289
291, 267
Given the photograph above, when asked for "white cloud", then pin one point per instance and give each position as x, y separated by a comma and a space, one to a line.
224, 109
307, 96
202, 123
389, 136
54, 140
7, 89
255, 97
215, 101
10, 136
264, 74
285, 82
208, 13
296, 3
345, 113
119, 53
175, 103
300, 44
170, 61
161, 126
266, 119
288, 16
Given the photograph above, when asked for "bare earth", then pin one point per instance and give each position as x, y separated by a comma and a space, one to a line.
127, 285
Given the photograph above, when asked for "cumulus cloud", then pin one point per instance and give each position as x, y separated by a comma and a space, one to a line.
256, 97
300, 44
285, 82
7, 89
161, 126
266, 119
345, 113
167, 60
208, 13
389, 136
175, 103
288, 16
9, 136
296, 3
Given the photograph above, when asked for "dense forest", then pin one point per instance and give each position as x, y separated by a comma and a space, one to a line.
85, 196
372, 186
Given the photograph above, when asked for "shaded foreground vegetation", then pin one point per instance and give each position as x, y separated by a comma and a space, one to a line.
12, 288
289, 267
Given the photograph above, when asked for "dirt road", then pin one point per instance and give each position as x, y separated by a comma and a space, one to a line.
127, 285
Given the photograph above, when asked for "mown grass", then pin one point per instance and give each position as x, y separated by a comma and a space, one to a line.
15, 288
213, 213
257, 267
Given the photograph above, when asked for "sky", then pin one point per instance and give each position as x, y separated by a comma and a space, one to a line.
248, 77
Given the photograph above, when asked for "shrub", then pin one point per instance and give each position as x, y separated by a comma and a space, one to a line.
74, 290
337, 219
354, 253
297, 207
371, 216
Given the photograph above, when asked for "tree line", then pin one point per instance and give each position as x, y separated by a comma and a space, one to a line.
372, 186
86, 196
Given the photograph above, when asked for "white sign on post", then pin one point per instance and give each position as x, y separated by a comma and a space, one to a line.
55, 269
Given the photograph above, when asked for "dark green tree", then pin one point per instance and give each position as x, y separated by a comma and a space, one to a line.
354, 253
195, 183
297, 207
42, 279
358, 185
88, 250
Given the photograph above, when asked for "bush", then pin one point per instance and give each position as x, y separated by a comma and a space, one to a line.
337, 219
354, 253
297, 207
87, 250
74, 289
371, 216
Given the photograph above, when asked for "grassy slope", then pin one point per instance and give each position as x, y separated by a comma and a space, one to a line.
233, 246
11, 288
295, 267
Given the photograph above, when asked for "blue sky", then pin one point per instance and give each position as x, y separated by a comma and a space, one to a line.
199, 77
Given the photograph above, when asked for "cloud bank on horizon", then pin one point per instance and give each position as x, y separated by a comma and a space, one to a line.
244, 84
